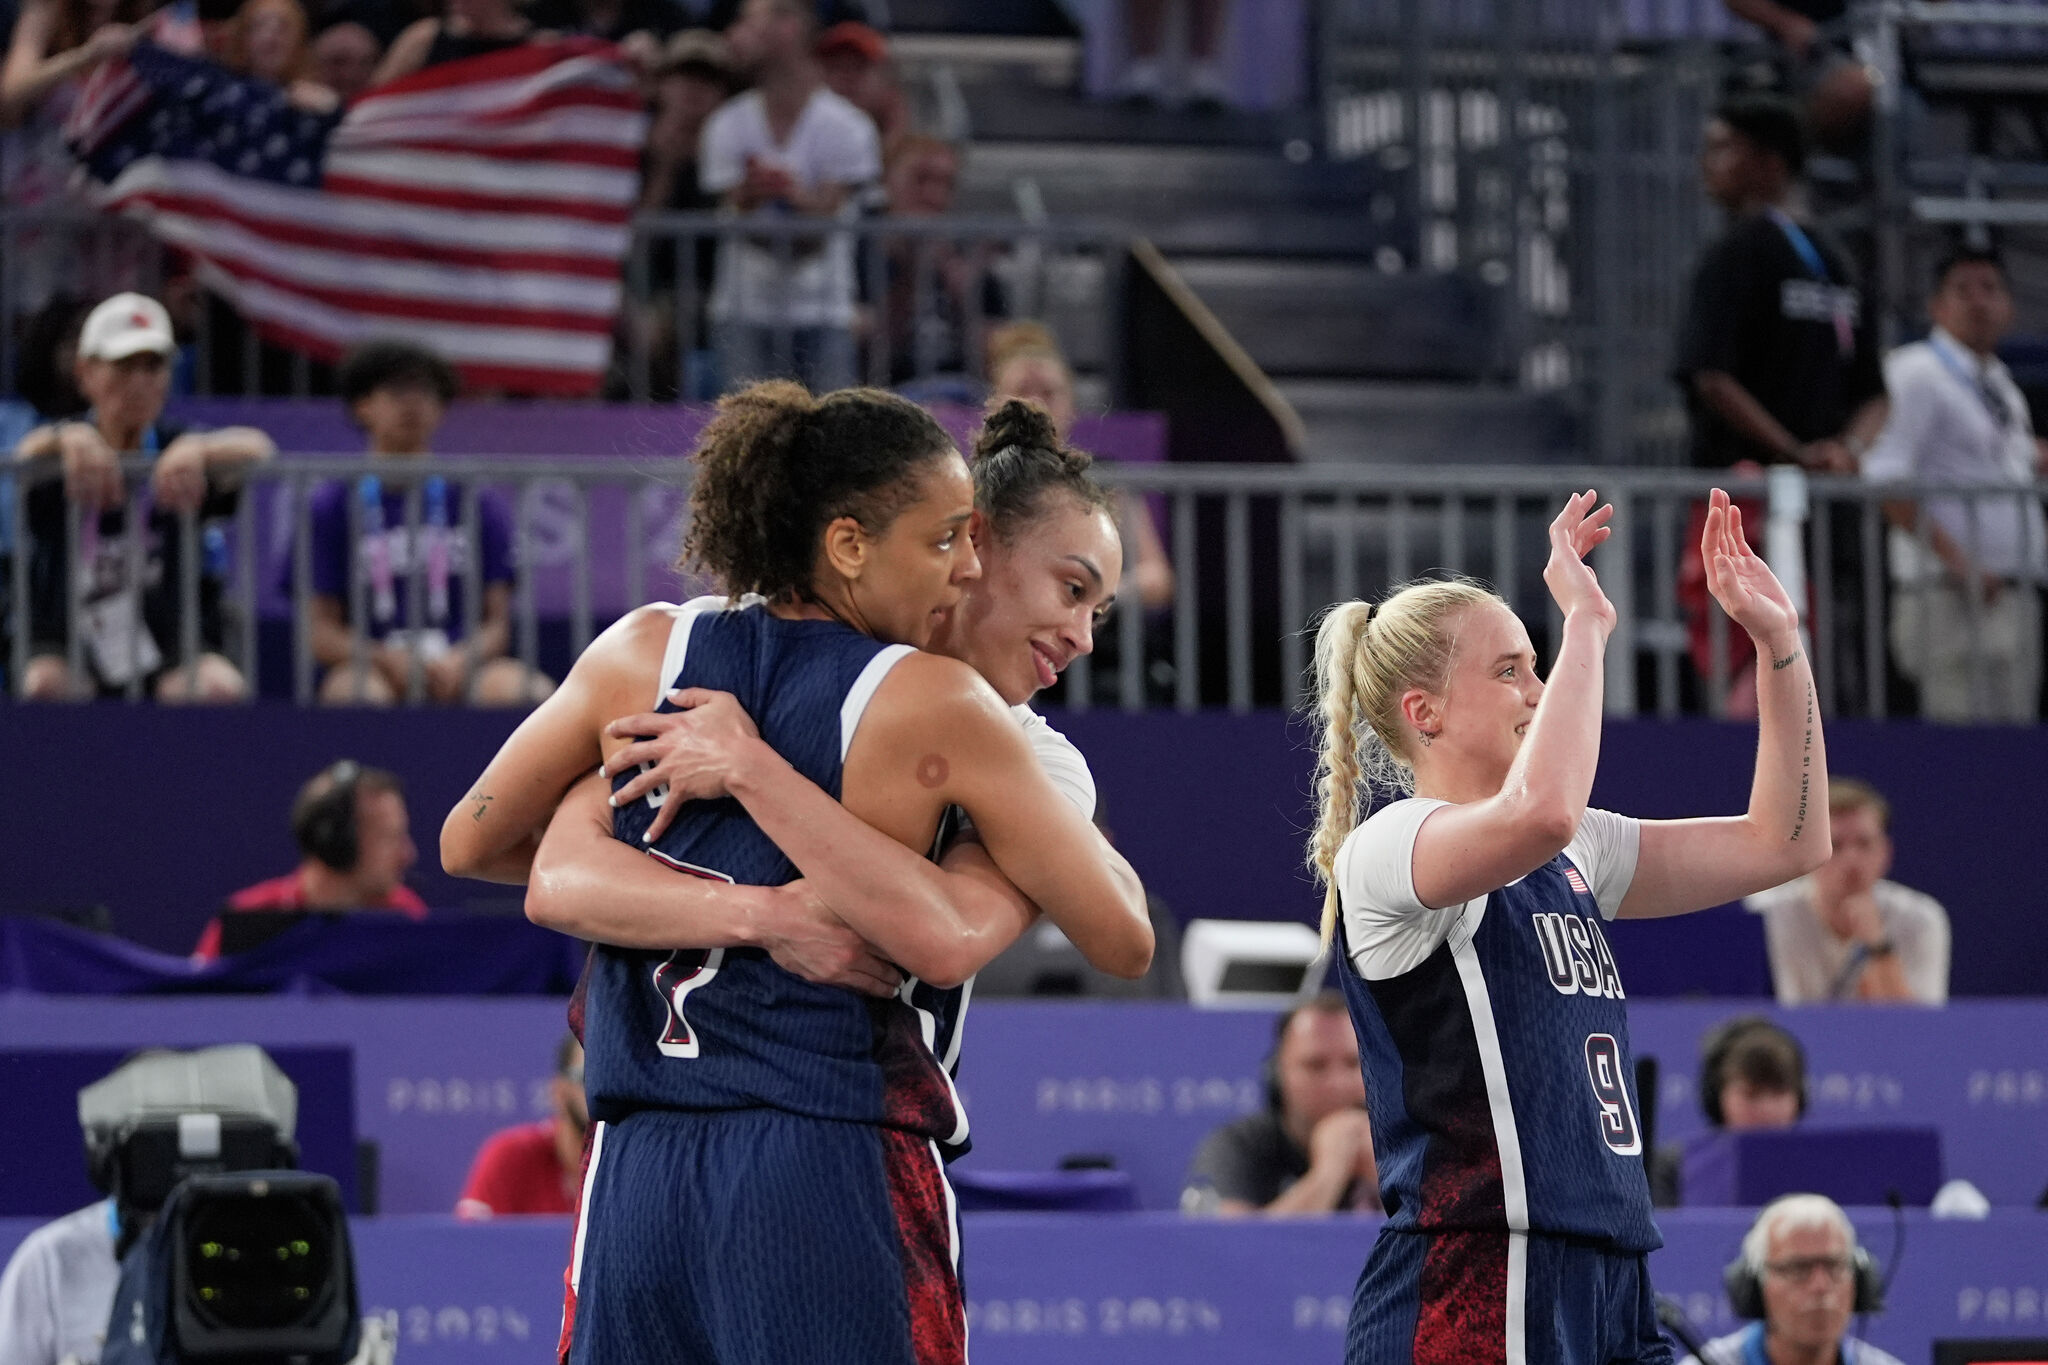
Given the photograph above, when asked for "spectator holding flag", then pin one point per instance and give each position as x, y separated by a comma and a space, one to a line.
398, 393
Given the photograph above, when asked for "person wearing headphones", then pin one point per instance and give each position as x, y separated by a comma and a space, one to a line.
1310, 1149
1752, 1077
355, 839
1799, 1277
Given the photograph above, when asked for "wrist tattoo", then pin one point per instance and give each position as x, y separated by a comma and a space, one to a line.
1786, 662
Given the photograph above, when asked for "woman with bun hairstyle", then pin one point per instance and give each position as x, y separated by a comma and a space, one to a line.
766, 1176
1490, 1013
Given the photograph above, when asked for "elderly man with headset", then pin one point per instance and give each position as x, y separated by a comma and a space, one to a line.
1800, 1276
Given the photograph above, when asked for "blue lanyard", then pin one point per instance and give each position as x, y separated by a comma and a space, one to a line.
1809, 254
1753, 1348
1977, 381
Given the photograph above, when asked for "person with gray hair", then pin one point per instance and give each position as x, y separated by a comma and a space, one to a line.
1800, 1275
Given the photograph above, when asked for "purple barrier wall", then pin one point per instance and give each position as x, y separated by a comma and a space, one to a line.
1140, 1083
1211, 808
654, 434
1153, 1289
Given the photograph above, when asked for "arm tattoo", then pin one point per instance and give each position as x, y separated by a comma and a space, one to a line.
1805, 770
483, 804
1786, 662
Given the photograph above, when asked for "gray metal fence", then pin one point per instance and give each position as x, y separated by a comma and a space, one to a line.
927, 292
1550, 147
1257, 553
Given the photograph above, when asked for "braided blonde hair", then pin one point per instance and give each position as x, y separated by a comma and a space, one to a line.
1366, 658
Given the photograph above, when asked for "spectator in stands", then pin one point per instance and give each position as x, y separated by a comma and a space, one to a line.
535, 1167
1144, 80
268, 41
1966, 573
355, 847
787, 148
1025, 361
345, 54
1310, 1150
132, 629
936, 291
692, 78
1845, 933
471, 28
1776, 355
855, 61
1752, 1079
398, 393
55, 46
1801, 1274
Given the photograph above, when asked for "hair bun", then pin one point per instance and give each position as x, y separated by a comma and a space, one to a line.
1016, 422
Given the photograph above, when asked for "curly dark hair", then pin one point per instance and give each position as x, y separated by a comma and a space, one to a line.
1020, 462
371, 365
776, 466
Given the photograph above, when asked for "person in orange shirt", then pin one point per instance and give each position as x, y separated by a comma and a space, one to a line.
353, 830
535, 1167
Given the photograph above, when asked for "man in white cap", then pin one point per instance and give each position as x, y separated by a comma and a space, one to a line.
131, 627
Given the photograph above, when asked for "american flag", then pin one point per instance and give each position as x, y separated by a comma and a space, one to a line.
1578, 883
479, 207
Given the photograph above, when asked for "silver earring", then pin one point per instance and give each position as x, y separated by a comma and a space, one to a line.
1426, 737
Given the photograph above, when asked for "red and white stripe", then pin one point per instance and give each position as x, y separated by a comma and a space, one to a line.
480, 207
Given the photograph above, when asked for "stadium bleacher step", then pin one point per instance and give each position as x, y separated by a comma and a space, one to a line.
1356, 421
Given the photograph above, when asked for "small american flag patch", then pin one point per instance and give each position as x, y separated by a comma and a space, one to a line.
1578, 883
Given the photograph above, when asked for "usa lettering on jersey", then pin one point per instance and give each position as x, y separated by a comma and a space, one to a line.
1576, 956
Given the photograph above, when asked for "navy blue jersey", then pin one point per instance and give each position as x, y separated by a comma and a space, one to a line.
1494, 1040
722, 1029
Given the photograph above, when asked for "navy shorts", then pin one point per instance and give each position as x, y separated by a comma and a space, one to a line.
759, 1237
1474, 1298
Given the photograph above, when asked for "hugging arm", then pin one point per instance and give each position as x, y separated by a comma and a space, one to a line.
587, 883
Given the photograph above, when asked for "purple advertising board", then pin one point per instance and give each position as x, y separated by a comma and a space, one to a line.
1137, 1083
1157, 1289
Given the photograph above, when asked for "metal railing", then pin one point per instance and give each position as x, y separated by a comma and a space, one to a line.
926, 292
1257, 552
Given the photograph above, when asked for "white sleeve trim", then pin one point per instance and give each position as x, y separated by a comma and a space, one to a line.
1389, 929
1605, 849
678, 648
1065, 764
863, 691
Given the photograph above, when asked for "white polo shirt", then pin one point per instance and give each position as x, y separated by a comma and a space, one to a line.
1943, 428
58, 1291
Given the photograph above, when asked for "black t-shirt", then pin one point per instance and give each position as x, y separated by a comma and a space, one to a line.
1759, 312
49, 529
1252, 1159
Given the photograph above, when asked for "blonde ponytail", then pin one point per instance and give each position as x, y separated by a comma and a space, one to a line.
1338, 640
1366, 657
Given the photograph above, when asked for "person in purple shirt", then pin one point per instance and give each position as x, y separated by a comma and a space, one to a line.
368, 584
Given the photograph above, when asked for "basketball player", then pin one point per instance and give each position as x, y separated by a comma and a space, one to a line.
765, 1181
1051, 565
1489, 1011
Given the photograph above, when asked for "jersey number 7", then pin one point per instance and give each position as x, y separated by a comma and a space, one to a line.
684, 971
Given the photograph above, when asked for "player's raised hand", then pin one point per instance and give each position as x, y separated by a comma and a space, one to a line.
1740, 579
694, 751
1578, 528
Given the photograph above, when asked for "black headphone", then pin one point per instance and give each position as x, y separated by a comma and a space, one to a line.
1746, 1288
1714, 1062
325, 825
1269, 1070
